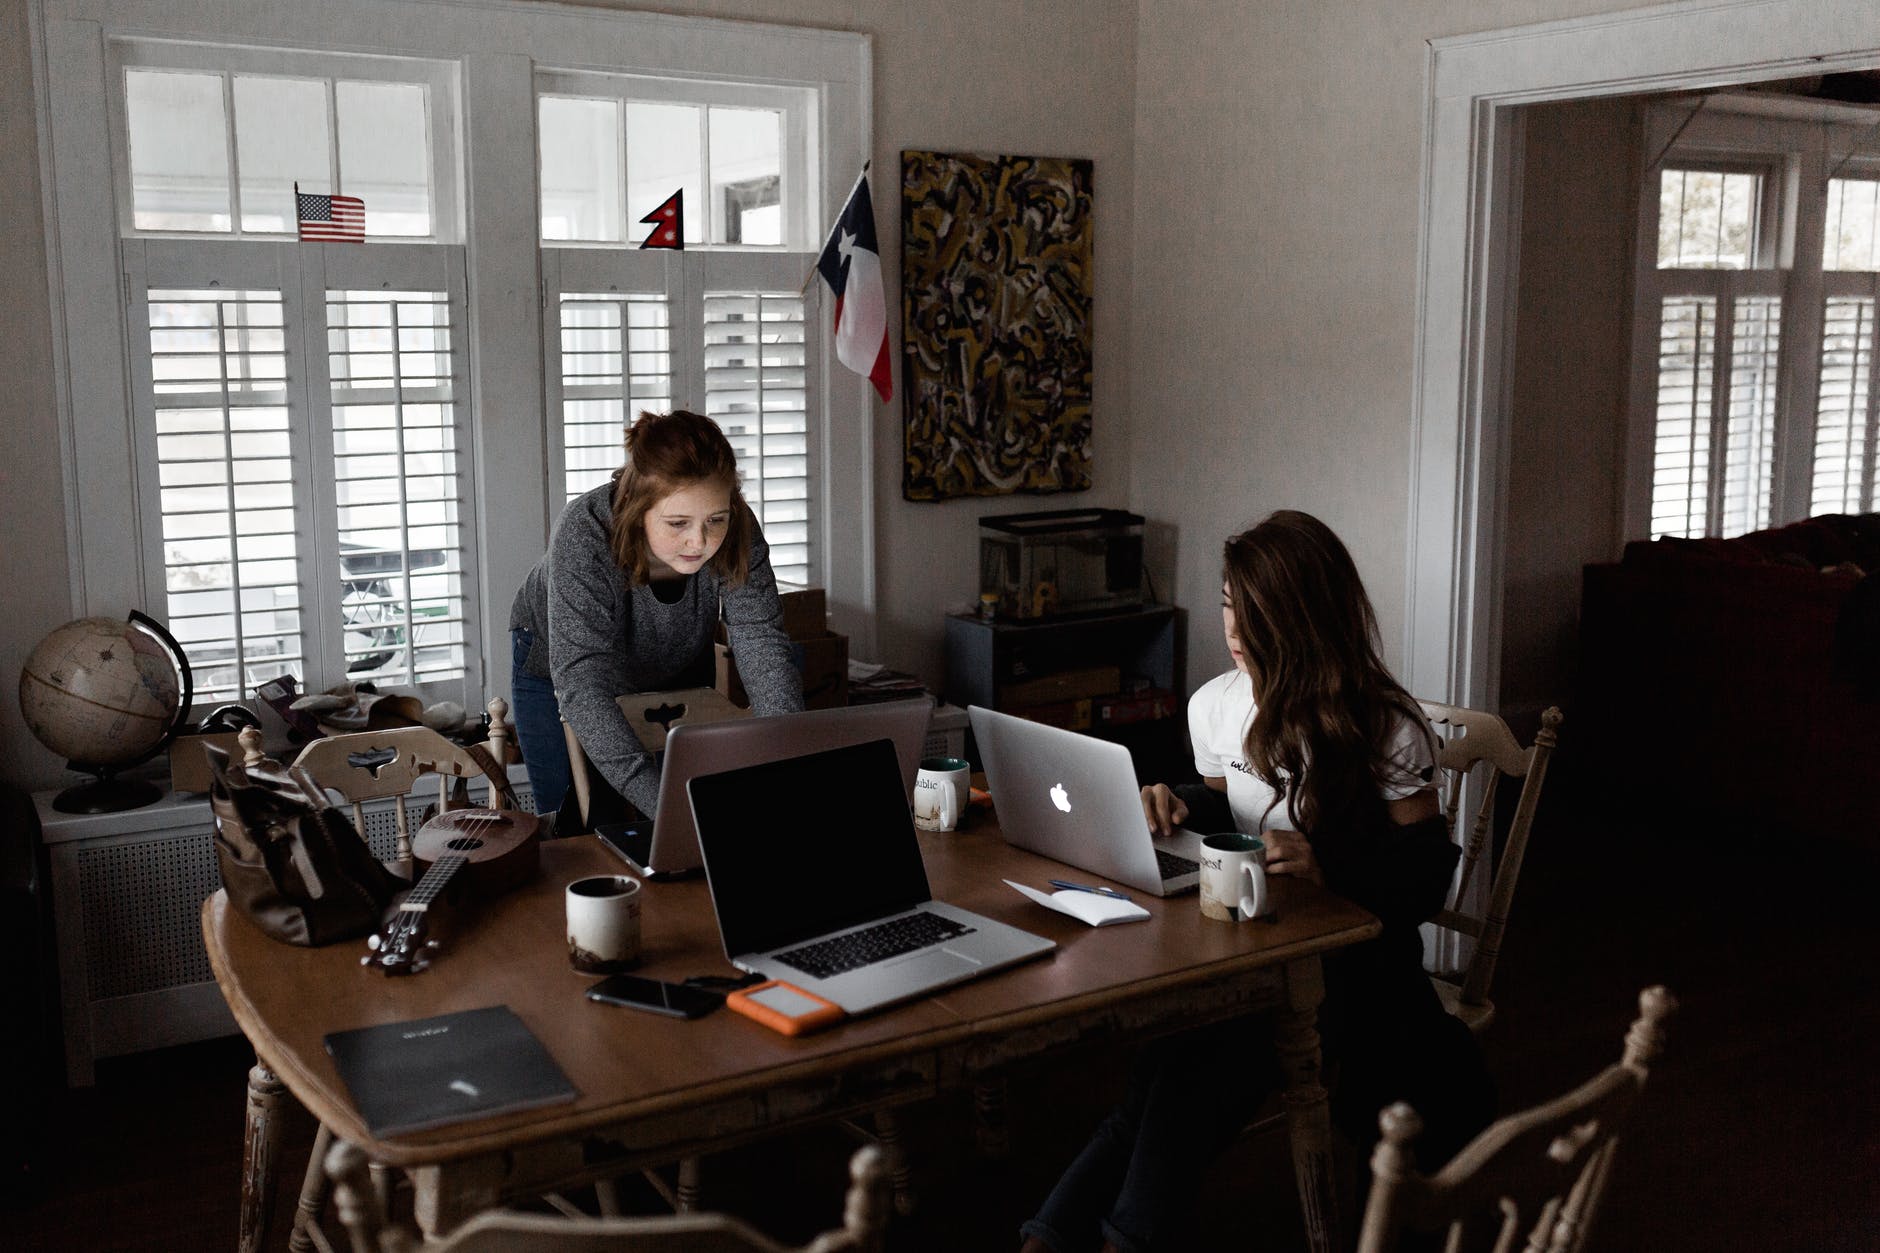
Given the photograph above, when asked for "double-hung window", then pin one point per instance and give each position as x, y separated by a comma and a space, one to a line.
338, 459
1755, 320
718, 327
299, 408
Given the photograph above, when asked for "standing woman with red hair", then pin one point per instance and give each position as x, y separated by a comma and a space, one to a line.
638, 576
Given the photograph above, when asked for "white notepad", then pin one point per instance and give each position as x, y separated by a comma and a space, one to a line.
1092, 907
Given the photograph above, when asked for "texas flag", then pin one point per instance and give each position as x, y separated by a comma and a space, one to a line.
851, 264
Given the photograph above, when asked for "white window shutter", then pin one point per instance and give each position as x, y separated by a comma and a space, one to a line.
227, 494
756, 390
1844, 408
397, 432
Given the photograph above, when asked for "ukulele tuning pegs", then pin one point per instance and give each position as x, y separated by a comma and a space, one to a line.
366, 960
373, 942
431, 945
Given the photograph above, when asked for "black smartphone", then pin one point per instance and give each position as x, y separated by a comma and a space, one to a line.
637, 992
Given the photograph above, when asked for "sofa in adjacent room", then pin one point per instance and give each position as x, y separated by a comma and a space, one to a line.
1739, 680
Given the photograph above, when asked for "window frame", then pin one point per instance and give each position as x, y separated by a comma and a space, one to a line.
1796, 145
493, 48
796, 104
304, 276
441, 120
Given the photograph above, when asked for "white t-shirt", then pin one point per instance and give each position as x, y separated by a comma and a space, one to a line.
1219, 714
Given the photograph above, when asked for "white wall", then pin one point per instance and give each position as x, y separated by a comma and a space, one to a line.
1035, 77
1579, 219
35, 594
1278, 166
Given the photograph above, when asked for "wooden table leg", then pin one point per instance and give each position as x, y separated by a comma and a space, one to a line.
989, 1121
261, 1144
1308, 1117
691, 1187
888, 1132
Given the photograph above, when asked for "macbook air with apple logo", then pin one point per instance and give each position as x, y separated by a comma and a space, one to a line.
1074, 798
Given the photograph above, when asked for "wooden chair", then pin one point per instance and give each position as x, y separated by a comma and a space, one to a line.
366, 766
651, 715
1481, 744
362, 1209
1541, 1171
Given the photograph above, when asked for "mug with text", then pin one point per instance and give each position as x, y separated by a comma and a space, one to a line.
941, 790
603, 923
1233, 877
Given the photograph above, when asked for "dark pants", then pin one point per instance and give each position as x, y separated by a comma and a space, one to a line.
538, 726
1189, 1096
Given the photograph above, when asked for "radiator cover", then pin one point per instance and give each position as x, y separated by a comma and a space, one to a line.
127, 893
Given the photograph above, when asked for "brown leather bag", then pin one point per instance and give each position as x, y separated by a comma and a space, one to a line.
291, 861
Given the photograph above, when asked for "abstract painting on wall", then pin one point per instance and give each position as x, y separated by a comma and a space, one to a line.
995, 303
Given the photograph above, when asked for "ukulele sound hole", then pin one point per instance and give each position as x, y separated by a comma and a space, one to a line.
463, 844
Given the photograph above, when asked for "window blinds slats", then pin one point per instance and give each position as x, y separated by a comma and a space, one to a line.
756, 390
616, 362
1749, 437
1844, 407
395, 478
1681, 448
230, 552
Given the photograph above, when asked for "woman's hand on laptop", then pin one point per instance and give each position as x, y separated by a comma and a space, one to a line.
1162, 808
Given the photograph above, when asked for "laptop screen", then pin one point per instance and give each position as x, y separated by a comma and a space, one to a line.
798, 848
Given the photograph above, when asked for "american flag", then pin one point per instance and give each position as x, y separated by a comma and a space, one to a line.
324, 218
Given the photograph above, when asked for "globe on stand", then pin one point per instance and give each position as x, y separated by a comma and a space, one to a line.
106, 695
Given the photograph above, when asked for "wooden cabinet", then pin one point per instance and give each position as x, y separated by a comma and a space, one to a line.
1117, 675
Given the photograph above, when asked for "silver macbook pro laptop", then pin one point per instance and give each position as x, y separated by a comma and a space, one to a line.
1074, 798
667, 844
816, 877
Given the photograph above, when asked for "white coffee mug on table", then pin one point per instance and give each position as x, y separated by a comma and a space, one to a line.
603, 923
941, 790
1233, 877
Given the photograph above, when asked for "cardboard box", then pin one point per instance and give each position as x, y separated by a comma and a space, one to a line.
1065, 685
805, 611
825, 665
1072, 715
189, 769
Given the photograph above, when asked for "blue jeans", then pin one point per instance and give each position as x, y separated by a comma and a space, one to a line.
538, 726
1134, 1184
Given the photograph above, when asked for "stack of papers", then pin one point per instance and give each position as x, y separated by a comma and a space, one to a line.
1091, 907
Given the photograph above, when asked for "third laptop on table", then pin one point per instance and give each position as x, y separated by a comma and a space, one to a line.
1074, 798
666, 844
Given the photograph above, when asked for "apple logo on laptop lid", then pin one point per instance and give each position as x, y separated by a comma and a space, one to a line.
1060, 797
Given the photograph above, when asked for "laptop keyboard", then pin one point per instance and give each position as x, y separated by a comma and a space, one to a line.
1173, 865
827, 958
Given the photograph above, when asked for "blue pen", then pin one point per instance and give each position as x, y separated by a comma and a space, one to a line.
1088, 887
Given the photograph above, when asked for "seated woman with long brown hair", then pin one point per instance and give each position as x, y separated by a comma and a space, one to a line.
1309, 743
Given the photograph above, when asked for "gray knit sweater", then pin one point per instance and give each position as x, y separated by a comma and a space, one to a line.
597, 637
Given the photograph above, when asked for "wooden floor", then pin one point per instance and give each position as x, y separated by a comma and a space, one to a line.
1763, 1128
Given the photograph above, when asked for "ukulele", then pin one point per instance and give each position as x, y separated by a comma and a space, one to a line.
494, 848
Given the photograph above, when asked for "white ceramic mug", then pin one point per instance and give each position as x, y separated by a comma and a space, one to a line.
603, 923
941, 790
1233, 877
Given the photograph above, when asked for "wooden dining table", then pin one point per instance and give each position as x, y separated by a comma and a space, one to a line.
656, 1090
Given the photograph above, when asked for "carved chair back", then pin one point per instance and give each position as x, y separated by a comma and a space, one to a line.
1480, 745
1538, 1174
362, 1210
365, 766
